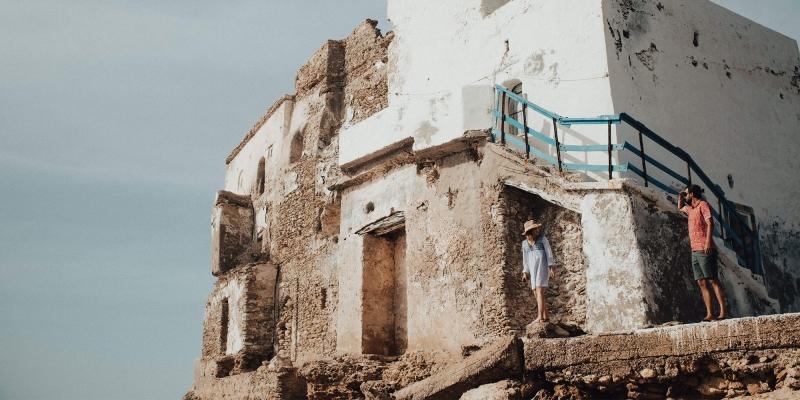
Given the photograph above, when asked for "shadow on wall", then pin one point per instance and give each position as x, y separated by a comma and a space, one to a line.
489, 6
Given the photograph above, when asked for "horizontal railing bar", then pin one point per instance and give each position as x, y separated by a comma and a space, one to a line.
591, 147
544, 156
650, 179
591, 167
601, 120
727, 227
657, 164
653, 136
531, 131
533, 106
519, 143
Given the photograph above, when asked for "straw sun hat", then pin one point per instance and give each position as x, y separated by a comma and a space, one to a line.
530, 225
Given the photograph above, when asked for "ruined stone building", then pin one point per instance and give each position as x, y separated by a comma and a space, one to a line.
367, 239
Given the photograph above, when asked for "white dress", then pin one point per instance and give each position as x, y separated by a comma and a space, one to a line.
536, 260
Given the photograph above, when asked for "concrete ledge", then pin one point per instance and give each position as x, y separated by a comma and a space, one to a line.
406, 143
745, 334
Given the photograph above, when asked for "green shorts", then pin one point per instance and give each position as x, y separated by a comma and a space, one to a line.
705, 266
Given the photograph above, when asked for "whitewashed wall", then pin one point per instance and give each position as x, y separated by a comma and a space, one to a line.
447, 55
736, 125
732, 101
240, 176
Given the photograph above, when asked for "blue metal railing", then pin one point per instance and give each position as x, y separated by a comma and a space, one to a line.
744, 240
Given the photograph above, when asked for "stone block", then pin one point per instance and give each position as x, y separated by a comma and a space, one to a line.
497, 361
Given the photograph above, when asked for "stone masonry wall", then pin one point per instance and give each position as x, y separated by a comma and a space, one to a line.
566, 295
238, 329
304, 218
296, 227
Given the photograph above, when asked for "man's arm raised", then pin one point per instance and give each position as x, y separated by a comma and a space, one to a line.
682, 200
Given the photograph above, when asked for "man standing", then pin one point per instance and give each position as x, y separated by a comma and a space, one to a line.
705, 256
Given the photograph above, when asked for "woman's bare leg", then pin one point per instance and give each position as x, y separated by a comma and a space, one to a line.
541, 303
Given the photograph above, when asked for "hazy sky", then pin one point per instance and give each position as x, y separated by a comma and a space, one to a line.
115, 121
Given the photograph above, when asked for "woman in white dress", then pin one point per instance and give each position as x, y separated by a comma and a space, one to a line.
537, 265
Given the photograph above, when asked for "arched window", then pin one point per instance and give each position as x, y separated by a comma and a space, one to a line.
296, 148
515, 109
260, 176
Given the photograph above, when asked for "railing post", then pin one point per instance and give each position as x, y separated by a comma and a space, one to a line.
525, 129
721, 218
503, 119
644, 164
746, 252
558, 147
496, 108
610, 169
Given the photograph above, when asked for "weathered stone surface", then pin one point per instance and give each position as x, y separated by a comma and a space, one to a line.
267, 382
504, 390
761, 333
729, 358
566, 294
238, 327
377, 390
494, 362
545, 330
231, 230
341, 377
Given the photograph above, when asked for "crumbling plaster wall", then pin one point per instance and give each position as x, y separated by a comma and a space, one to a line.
725, 89
241, 339
240, 176
297, 217
635, 250
523, 41
269, 382
622, 251
638, 267
452, 289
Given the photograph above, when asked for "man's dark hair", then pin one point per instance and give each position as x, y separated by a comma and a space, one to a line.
696, 191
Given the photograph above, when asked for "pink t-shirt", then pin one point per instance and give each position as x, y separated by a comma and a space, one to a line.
699, 213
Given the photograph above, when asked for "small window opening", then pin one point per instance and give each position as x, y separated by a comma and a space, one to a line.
323, 298
515, 110
296, 148
261, 176
223, 333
